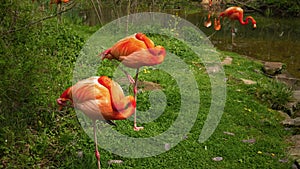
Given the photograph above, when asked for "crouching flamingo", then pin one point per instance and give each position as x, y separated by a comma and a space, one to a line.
99, 98
234, 13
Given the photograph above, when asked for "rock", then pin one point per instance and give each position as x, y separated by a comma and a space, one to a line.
294, 150
283, 114
291, 122
296, 95
288, 121
291, 107
213, 68
227, 61
110, 162
272, 68
249, 141
217, 158
296, 114
297, 121
286, 78
149, 86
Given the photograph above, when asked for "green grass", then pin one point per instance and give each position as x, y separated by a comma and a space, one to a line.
35, 135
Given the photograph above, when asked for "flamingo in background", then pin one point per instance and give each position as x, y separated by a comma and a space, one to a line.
100, 98
58, 2
135, 51
234, 13
207, 23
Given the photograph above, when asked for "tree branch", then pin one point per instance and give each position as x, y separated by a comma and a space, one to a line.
42, 19
244, 4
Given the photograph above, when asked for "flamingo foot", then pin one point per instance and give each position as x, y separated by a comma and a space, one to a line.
135, 128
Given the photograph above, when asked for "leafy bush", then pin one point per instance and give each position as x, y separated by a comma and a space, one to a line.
275, 94
280, 7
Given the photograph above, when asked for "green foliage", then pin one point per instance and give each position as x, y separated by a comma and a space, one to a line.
280, 7
36, 67
275, 94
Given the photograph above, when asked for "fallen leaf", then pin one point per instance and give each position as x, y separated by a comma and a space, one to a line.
184, 137
114, 162
80, 154
217, 158
248, 82
167, 146
249, 141
283, 160
228, 133
227, 61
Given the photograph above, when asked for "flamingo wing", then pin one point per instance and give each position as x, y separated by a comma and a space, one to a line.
145, 57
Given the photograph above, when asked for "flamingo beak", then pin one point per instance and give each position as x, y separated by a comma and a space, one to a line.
61, 103
254, 26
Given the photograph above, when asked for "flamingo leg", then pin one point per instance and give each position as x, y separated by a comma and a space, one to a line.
130, 79
233, 33
97, 154
135, 90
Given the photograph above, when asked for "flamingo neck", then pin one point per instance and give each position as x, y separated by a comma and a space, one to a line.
119, 102
67, 94
247, 20
145, 39
64, 98
128, 111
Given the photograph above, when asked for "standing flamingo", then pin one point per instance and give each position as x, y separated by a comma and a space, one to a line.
234, 13
135, 51
100, 98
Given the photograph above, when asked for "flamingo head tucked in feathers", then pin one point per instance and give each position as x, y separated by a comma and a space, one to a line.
64, 98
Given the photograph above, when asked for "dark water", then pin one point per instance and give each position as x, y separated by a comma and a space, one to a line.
274, 39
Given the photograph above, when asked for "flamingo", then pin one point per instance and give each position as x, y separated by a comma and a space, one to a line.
135, 51
207, 23
234, 13
99, 98
58, 2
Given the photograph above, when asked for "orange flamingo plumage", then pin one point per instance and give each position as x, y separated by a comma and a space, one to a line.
100, 98
57, 2
234, 13
135, 51
237, 13
207, 23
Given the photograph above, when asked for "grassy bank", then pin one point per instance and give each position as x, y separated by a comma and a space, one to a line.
34, 134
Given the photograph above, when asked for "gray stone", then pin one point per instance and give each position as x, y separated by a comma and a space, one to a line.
290, 81
294, 150
297, 121
227, 61
272, 68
